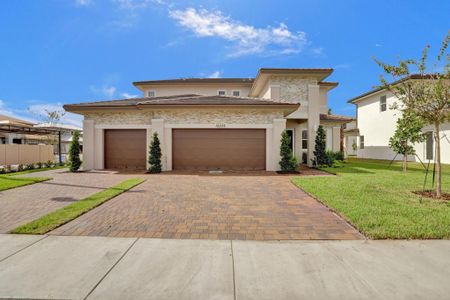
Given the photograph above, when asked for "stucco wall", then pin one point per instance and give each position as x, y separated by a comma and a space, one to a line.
187, 116
207, 90
292, 88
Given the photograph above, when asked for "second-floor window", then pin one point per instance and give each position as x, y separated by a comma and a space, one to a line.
151, 94
383, 103
221, 93
236, 93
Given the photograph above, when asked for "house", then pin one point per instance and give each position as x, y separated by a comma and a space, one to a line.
376, 123
212, 123
9, 135
66, 132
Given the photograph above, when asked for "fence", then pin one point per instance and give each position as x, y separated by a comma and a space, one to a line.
15, 154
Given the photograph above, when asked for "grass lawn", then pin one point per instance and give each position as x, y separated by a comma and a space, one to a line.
63, 215
10, 181
379, 201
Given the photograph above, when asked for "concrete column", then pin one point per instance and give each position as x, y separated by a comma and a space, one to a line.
88, 144
313, 118
158, 127
336, 138
279, 125
99, 156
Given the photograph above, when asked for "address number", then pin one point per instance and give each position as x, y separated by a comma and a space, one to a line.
220, 125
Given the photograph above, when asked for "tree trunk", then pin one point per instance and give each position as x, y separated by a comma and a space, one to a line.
437, 139
405, 156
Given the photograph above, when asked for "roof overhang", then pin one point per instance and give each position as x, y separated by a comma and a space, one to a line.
264, 74
142, 85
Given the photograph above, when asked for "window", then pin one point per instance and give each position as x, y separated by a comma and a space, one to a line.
290, 133
429, 145
236, 93
383, 103
221, 93
17, 141
151, 93
361, 142
304, 139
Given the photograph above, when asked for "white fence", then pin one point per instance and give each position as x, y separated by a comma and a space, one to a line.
15, 154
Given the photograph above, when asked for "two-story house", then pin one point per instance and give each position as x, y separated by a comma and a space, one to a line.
206, 123
376, 123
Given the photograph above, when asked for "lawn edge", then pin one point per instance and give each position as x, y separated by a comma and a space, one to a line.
35, 180
34, 171
336, 212
36, 231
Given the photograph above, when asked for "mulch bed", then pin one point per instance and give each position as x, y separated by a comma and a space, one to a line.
432, 194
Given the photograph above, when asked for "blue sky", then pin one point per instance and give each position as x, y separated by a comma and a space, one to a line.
67, 51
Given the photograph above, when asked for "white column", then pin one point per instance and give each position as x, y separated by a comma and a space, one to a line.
158, 127
99, 154
89, 144
336, 138
313, 118
279, 125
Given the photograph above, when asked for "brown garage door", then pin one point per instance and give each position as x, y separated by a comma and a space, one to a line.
226, 149
125, 149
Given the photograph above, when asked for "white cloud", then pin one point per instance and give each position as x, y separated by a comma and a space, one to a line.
83, 2
246, 39
126, 95
216, 74
378, 45
105, 90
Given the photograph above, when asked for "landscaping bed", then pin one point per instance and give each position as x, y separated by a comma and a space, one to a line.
380, 201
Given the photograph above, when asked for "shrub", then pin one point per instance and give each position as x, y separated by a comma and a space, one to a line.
20, 168
288, 162
8, 169
320, 147
333, 157
2, 170
155, 154
49, 164
74, 152
30, 166
39, 165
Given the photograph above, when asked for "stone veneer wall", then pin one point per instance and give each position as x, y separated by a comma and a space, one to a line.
292, 88
187, 116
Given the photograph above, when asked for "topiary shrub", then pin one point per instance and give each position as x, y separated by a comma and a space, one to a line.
288, 162
320, 147
155, 154
74, 152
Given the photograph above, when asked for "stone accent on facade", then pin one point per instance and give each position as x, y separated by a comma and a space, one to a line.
293, 89
188, 116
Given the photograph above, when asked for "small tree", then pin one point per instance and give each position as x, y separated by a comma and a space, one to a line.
74, 152
288, 163
426, 94
320, 147
154, 158
408, 133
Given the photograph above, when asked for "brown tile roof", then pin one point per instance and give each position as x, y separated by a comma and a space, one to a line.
178, 100
326, 117
195, 80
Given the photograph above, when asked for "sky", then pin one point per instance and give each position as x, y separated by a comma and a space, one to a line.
54, 52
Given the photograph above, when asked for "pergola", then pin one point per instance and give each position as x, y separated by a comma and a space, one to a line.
20, 128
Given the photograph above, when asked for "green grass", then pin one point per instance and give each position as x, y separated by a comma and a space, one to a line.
379, 201
61, 216
10, 181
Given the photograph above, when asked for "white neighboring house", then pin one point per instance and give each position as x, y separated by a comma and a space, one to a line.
66, 136
376, 123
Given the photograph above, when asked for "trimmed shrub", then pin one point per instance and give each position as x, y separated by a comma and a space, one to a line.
74, 152
288, 162
155, 155
320, 147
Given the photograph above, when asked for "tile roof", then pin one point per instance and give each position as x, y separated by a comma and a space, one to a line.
178, 100
326, 117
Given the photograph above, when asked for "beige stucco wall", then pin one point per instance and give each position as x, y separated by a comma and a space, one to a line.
207, 90
163, 120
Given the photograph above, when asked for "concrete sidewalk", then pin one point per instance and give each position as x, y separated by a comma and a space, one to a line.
66, 267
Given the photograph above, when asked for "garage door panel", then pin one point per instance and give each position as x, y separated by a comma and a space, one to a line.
125, 149
227, 149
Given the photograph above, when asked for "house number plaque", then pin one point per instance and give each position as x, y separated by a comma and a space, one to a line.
221, 125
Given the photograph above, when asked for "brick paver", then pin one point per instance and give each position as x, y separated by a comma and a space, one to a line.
256, 206
24, 204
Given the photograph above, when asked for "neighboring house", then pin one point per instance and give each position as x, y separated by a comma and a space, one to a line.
66, 136
351, 133
376, 123
9, 134
204, 123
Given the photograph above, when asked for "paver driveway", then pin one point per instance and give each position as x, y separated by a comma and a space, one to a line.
24, 204
240, 206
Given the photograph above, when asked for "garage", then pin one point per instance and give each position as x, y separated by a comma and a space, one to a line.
224, 149
125, 149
